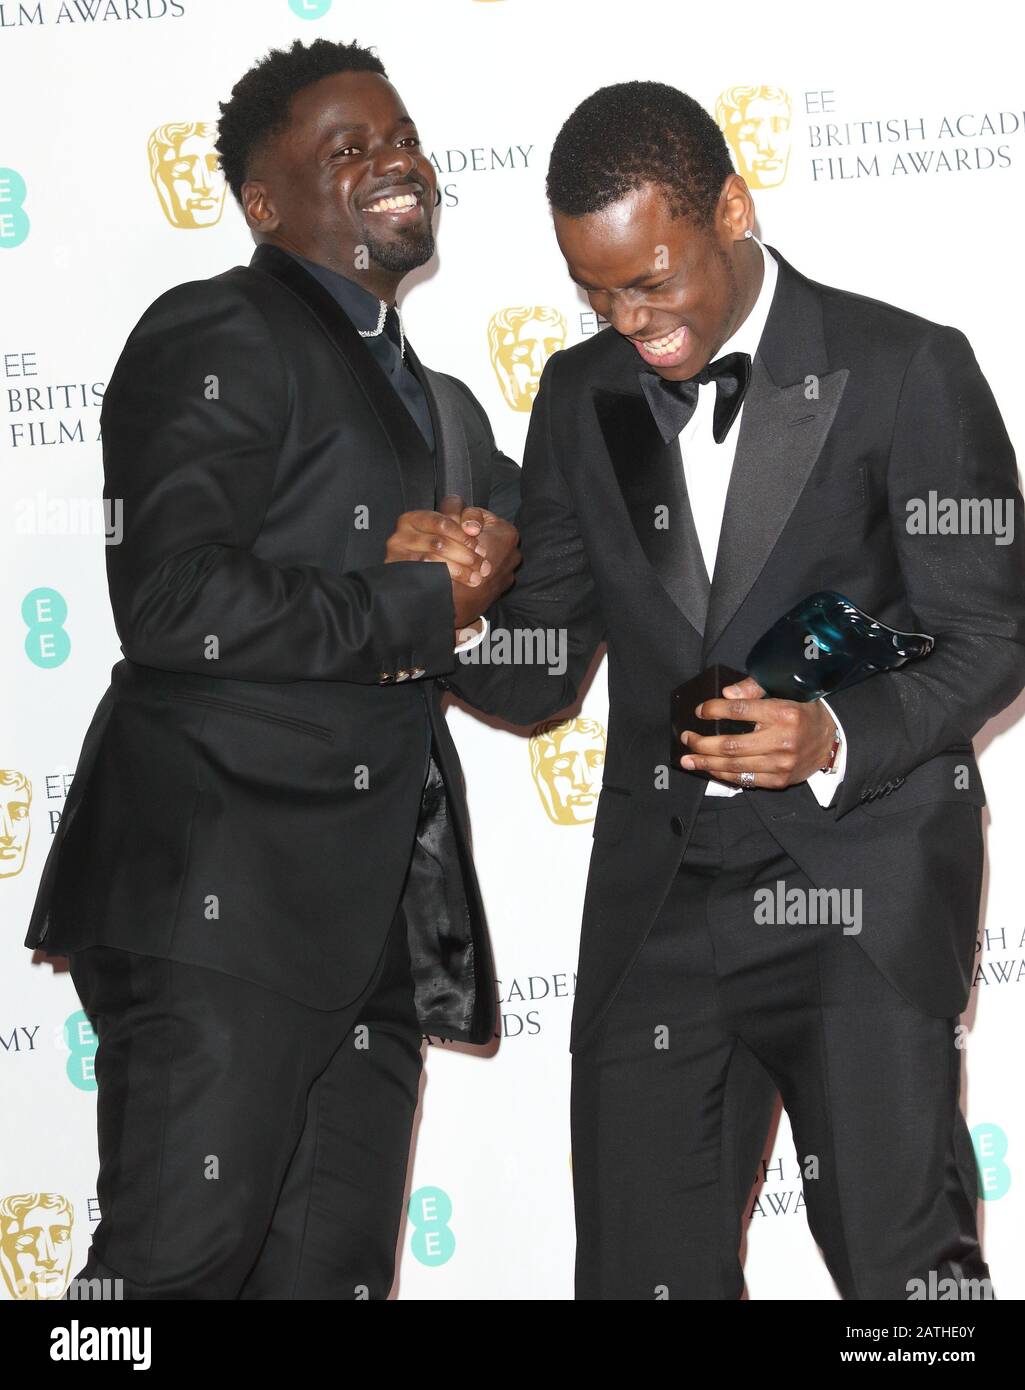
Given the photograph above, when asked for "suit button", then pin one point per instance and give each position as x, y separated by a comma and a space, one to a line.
677, 825
417, 672
385, 678
402, 675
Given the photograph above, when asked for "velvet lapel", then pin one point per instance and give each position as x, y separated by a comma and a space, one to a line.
650, 477
412, 456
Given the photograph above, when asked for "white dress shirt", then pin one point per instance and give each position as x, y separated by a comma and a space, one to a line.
707, 467
478, 636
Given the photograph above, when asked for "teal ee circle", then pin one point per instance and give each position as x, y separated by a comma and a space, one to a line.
82, 1044
14, 223
990, 1144
430, 1211
309, 9
45, 612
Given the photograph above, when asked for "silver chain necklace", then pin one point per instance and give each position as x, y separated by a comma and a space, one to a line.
376, 332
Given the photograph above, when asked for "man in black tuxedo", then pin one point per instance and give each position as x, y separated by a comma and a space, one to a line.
678, 524
262, 876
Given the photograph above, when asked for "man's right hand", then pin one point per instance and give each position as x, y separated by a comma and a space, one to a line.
480, 549
431, 536
498, 542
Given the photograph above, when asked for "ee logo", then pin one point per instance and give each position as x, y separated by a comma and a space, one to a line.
14, 223
46, 642
430, 1211
82, 1044
990, 1143
309, 9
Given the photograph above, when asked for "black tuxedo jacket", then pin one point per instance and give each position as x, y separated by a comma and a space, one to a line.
254, 780
854, 408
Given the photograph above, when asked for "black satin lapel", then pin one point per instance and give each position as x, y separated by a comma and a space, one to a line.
781, 437
650, 476
412, 456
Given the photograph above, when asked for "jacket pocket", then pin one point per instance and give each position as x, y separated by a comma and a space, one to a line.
302, 726
610, 820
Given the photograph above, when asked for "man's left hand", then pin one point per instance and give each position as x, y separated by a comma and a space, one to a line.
789, 742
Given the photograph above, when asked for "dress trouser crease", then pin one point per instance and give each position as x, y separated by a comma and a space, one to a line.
673, 1097
250, 1147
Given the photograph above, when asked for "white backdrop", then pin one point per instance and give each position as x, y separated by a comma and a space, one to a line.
883, 204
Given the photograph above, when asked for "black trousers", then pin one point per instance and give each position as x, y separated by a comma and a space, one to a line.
250, 1147
672, 1099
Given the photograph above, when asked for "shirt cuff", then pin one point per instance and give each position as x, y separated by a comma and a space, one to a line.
824, 784
476, 639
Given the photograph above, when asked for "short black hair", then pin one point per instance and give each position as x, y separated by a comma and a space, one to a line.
633, 133
261, 100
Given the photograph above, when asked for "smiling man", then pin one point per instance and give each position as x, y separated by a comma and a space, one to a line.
262, 875
740, 437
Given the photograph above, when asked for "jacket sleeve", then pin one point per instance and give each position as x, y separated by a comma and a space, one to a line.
193, 425
967, 589
553, 591
504, 493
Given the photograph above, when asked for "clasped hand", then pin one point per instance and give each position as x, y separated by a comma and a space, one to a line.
479, 548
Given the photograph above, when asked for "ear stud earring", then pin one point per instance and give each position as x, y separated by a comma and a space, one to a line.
748, 233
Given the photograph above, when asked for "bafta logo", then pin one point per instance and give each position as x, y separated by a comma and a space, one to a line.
15, 801
756, 123
186, 173
35, 1244
566, 760
520, 341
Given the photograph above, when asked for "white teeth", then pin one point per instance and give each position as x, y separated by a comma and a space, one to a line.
662, 346
404, 200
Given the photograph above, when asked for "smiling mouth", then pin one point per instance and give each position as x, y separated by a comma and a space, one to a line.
662, 349
401, 202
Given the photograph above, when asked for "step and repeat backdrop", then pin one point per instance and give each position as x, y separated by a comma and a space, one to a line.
885, 147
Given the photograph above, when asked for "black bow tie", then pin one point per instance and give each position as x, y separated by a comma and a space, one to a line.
673, 402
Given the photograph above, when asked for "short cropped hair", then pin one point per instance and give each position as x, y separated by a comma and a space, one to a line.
635, 133
261, 100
